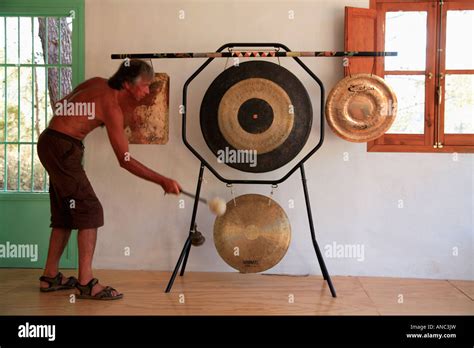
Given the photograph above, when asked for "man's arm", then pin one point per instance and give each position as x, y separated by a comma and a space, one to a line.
114, 125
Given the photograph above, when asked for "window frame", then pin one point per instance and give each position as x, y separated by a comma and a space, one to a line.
50, 8
435, 64
449, 138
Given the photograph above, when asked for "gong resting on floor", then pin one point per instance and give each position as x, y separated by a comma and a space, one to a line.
254, 233
256, 109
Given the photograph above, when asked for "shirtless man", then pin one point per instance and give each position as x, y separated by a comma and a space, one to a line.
74, 204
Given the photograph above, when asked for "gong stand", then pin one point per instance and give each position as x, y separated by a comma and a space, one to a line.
183, 257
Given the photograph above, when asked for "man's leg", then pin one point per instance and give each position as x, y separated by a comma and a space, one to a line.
57, 243
86, 240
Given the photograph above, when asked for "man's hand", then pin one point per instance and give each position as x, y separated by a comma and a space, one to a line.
171, 186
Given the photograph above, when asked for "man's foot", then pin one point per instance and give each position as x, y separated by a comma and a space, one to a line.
58, 282
95, 291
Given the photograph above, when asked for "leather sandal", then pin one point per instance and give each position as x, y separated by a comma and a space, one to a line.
105, 294
56, 283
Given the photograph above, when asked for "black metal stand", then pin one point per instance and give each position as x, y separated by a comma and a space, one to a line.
187, 245
183, 257
322, 264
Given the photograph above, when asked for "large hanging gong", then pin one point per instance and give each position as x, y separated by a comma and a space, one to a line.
254, 233
256, 108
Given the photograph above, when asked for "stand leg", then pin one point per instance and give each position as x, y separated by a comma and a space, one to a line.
183, 267
181, 256
187, 245
313, 236
193, 218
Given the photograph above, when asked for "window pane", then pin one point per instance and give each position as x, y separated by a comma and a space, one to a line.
459, 104
12, 167
405, 33
459, 40
12, 40
66, 81
12, 104
2, 40
54, 87
2, 166
39, 173
47, 99
25, 168
66, 40
48, 31
39, 55
40, 101
2, 104
410, 92
53, 39
25, 40
59, 83
26, 104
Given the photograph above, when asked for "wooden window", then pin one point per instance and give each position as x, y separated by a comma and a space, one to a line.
432, 76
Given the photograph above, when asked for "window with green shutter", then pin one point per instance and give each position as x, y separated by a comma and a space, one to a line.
41, 60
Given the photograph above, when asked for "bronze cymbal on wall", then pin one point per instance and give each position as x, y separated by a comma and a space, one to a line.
361, 108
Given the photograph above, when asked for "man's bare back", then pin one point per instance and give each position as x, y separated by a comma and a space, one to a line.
94, 91
108, 104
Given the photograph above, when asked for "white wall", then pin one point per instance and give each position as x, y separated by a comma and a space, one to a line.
353, 202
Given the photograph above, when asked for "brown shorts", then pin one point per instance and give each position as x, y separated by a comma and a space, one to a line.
74, 203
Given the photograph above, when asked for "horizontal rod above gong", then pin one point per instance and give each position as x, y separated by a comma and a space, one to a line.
255, 54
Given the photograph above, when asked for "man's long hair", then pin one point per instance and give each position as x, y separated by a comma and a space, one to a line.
130, 71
